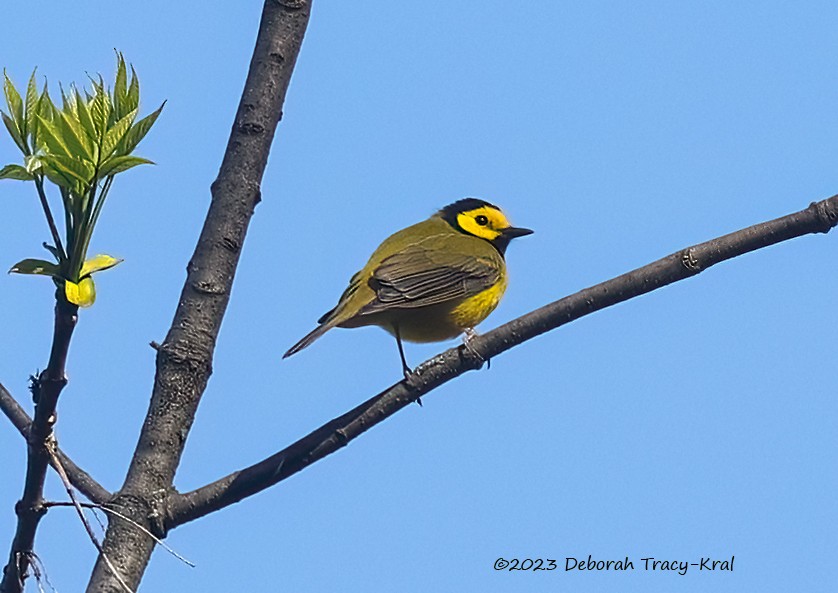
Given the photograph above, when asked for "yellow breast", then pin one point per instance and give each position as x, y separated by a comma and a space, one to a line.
475, 309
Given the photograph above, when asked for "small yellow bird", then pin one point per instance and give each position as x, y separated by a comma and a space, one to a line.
431, 281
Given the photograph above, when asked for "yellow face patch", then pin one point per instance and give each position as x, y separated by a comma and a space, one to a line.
484, 222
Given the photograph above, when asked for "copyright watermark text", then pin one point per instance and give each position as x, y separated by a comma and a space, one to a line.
648, 564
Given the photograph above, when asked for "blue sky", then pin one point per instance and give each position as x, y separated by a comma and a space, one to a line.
698, 420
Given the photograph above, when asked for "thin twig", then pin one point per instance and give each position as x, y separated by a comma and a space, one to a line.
42, 196
71, 493
95, 515
39, 571
112, 511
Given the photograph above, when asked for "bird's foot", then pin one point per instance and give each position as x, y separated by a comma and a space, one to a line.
407, 373
468, 337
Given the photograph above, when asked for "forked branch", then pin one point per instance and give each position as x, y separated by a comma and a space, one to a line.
80, 479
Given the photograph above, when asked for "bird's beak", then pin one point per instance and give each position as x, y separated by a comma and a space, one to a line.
512, 232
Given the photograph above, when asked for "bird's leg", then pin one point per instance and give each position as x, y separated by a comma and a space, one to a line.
405, 369
469, 334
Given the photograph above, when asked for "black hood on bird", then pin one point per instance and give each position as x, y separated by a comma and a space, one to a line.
451, 210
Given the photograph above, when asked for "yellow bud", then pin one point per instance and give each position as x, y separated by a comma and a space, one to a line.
82, 294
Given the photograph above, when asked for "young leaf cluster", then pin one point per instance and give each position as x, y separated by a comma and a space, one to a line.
78, 147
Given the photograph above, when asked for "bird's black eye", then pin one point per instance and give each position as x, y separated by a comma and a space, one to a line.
482, 220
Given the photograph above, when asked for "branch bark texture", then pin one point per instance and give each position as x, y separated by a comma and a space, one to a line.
819, 217
184, 359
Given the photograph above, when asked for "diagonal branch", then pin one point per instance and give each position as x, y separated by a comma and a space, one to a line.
819, 217
46, 390
80, 479
184, 359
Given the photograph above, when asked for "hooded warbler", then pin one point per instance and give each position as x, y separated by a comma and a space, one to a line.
431, 281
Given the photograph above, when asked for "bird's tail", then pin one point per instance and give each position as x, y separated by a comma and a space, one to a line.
309, 338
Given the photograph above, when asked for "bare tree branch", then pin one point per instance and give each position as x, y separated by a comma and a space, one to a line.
184, 359
819, 217
80, 479
46, 390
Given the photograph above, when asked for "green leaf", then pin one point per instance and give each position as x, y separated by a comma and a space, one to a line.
46, 108
100, 109
14, 132
38, 109
69, 110
85, 118
67, 99
14, 102
115, 135
31, 108
61, 178
80, 169
51, 139
139, 130
74, 135
15, 172
133, 99
37, 267
118, 164
120, 88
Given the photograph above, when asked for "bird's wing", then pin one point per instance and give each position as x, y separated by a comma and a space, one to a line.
354, 283
431, 272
